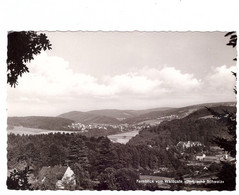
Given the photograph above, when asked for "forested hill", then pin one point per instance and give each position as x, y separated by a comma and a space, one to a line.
114, 116
40, 122
89, 118
125, 114
110, 116
176, 112
107, 116
197, 126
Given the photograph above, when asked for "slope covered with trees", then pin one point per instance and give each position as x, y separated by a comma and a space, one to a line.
89, 118
198, 126
124, 114
40, 122
176, 112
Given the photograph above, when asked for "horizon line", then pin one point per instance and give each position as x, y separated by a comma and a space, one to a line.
125, 109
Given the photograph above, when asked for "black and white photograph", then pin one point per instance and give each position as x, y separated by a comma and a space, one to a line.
120, 110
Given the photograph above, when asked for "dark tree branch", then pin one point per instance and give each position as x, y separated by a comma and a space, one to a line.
22, 46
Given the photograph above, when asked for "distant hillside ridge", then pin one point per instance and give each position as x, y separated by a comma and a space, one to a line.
116, 116
108, 116
177, 112
89, 118
40, 122
124, 114
200, 126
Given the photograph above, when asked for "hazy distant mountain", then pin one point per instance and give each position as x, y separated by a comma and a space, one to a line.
110, 116
87, 118
124, 114
41, 122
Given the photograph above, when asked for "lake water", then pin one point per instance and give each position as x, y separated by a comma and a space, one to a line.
34, 131
123, 138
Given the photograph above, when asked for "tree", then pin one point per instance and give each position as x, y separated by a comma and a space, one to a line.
228, 170
107, 179
78, 160
54, 155
73, 153
22, 46
233, 39
79, 153
233, 42
83, 154
105, 158
120, 179
18, 180
82, 177
126, 179
228, 118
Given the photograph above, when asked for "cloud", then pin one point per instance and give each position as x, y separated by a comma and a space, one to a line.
221, 79
173, 79
52, 76
133, 83
52, 81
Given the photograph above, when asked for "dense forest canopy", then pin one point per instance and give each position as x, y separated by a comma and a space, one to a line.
92, 157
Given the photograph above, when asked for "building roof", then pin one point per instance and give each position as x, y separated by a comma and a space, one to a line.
68, 173
59, 171
68, 178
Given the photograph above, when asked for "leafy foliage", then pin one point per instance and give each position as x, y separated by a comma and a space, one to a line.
228, 175
228, 118
107, 179
233, 38
18, 180
22, 46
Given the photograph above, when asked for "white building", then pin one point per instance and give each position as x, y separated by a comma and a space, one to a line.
201, 158
67, 179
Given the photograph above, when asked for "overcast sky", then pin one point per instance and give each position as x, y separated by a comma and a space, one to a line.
125, 70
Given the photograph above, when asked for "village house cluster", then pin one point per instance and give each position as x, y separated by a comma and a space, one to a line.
170, 117
205, 157
188, 144
122, 127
